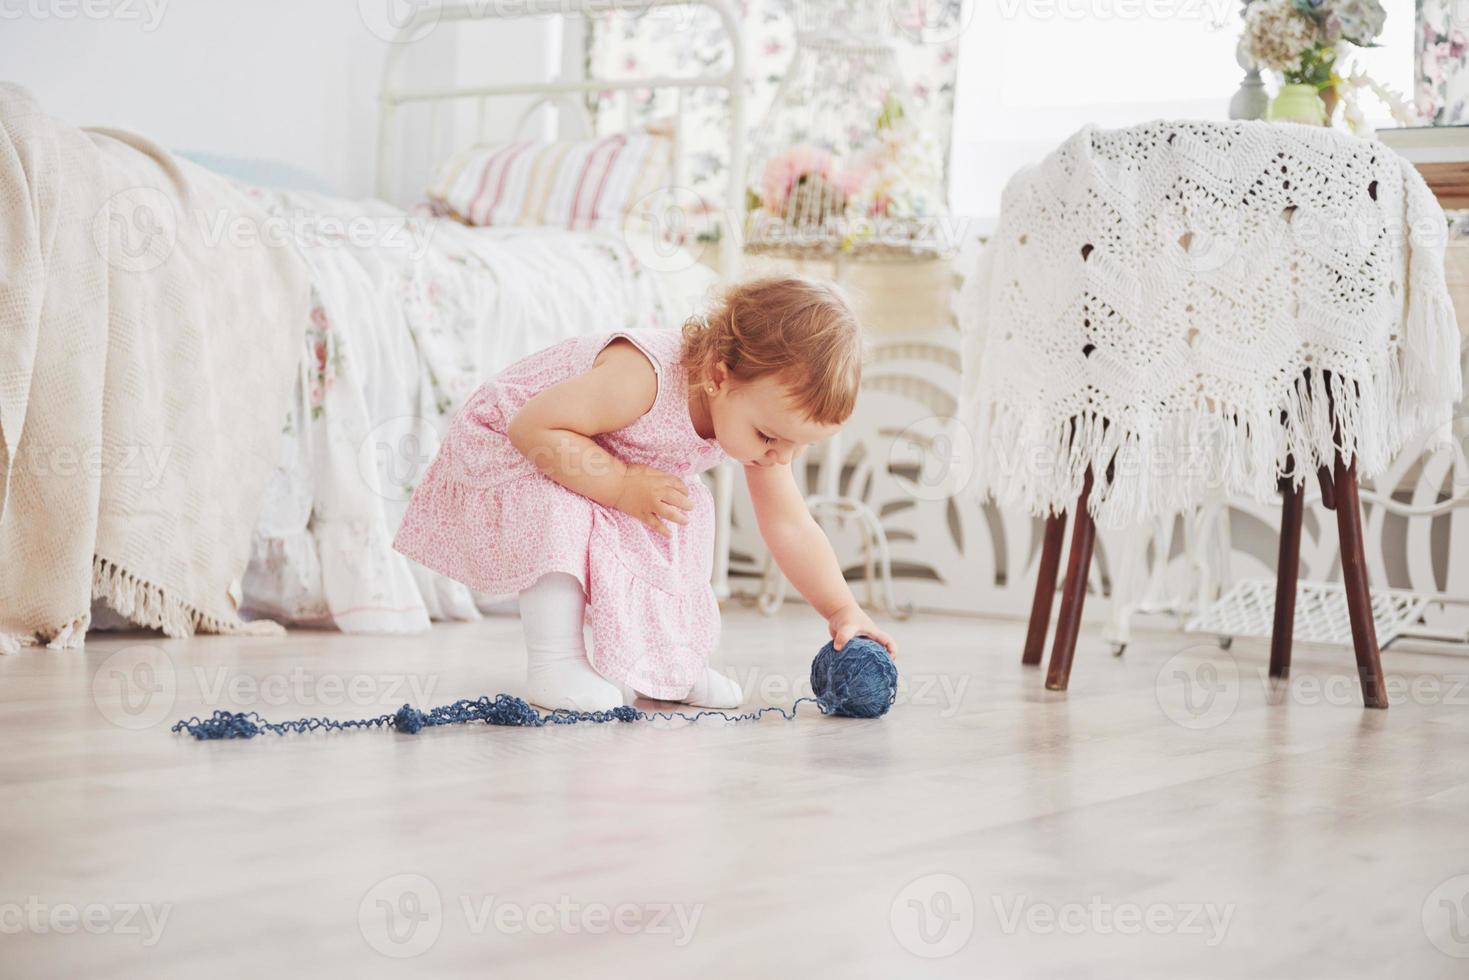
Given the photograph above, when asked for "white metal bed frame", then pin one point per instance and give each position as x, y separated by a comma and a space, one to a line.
568, 94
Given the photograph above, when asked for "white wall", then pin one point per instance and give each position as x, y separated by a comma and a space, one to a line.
288, 80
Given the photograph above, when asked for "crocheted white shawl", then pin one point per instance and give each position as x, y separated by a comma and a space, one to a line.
1198, 305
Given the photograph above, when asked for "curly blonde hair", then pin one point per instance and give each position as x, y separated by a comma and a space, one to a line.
801, 331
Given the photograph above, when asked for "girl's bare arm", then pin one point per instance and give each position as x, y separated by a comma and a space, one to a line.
804, 554
554, 430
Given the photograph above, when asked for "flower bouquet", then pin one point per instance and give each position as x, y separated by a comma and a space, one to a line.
1306, 41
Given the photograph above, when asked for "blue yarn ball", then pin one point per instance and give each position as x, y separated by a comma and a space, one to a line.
858, 681
409, 720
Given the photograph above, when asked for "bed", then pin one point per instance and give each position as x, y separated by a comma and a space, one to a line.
410, 311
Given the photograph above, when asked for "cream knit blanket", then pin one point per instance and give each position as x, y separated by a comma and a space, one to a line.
1198, 305
148, 342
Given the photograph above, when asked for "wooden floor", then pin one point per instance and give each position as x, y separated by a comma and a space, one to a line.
1172, 816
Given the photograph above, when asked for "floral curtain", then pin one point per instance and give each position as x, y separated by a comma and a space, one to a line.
1443, 50
687, 39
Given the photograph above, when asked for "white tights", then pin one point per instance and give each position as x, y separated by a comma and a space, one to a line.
558, 673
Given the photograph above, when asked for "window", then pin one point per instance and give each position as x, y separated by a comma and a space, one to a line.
1032, 72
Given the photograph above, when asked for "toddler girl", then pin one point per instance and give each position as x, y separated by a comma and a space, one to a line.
572, 479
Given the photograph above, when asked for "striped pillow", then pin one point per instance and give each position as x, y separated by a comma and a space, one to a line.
574, 184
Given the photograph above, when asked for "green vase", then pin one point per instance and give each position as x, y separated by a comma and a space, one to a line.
1298, 103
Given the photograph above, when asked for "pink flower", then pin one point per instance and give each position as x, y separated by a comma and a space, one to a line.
782, 173
850, 181
318, 318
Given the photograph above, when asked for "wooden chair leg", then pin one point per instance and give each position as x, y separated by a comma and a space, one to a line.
1073, 592
1045, 589
1359, 595
1287, 571
1328, 487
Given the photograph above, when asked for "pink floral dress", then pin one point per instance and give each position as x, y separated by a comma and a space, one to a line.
484, 515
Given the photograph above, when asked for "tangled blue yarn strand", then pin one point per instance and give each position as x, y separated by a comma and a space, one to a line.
503, 709
858, 681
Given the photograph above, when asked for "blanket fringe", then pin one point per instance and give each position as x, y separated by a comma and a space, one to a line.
149, 606
1171, 467
68, 636
143, 604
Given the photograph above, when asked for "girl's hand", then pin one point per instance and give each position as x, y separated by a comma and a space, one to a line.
850, 621
653, 497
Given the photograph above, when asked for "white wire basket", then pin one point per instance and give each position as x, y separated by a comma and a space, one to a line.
1248, 609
